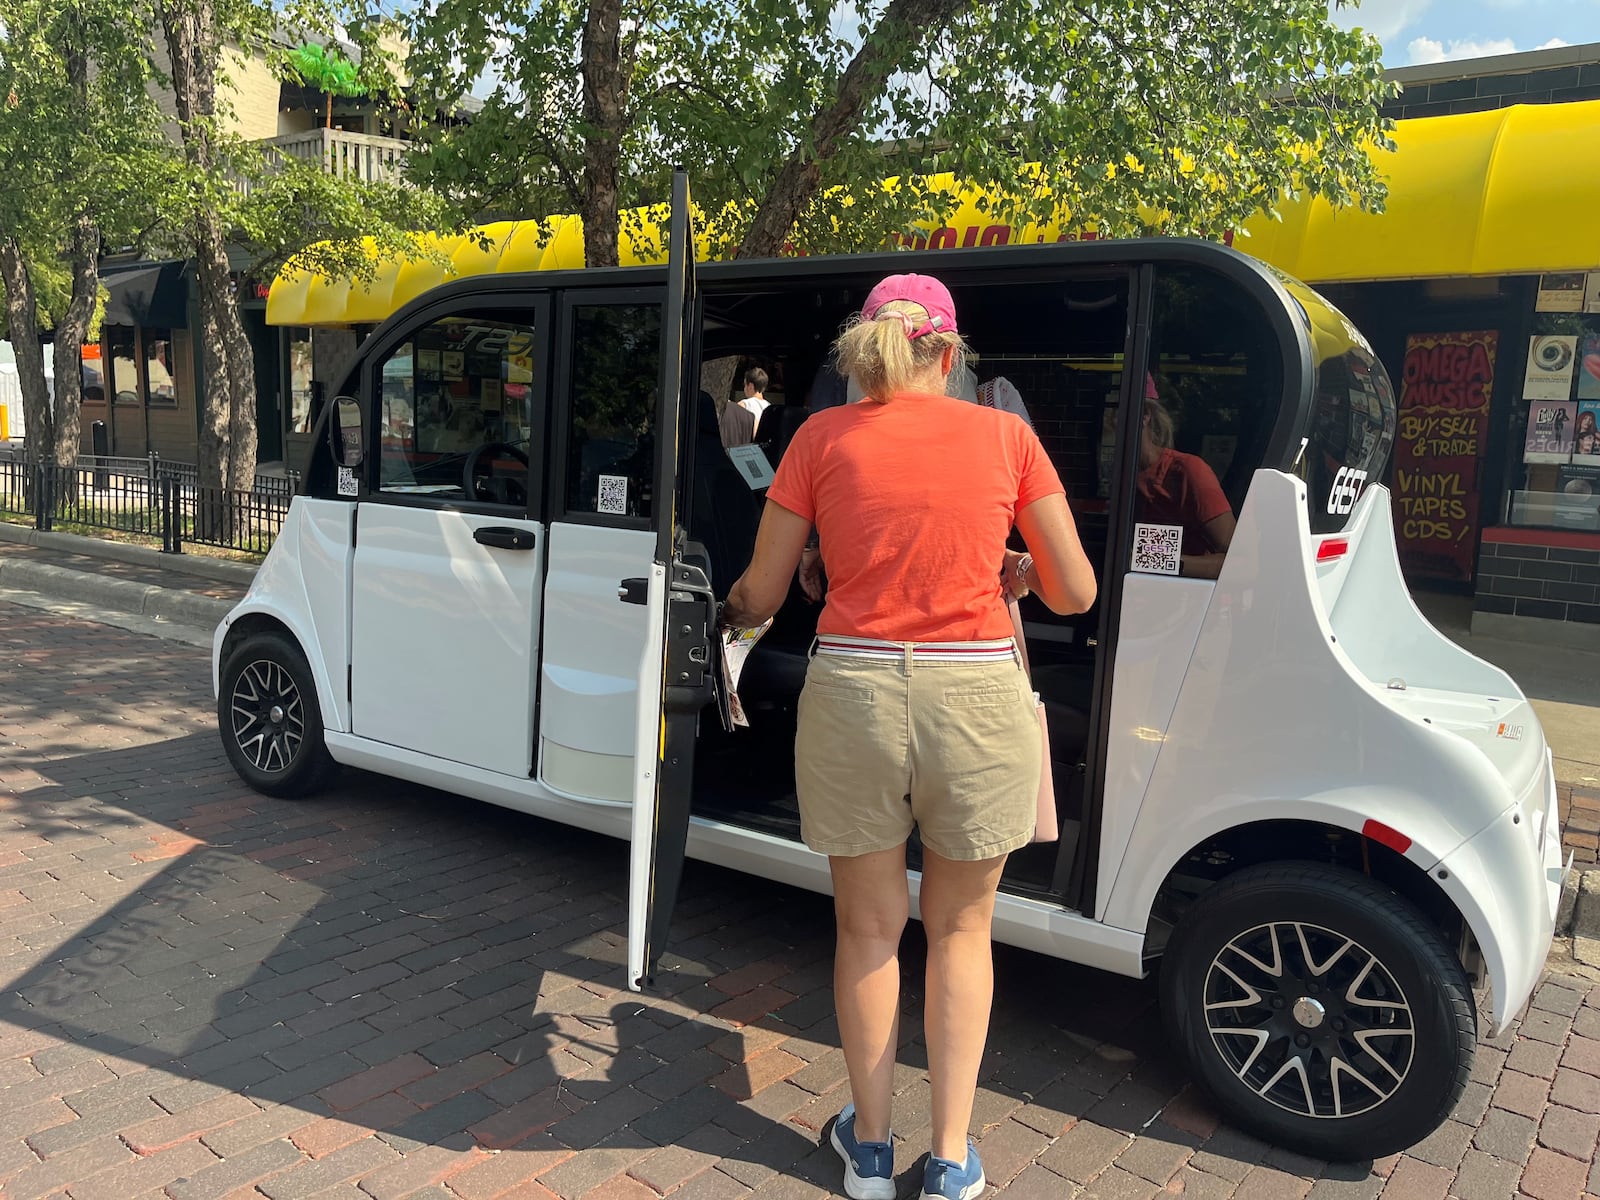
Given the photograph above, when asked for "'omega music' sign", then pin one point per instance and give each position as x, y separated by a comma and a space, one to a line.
1444, 424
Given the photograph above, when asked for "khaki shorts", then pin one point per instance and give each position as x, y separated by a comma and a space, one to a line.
952, 748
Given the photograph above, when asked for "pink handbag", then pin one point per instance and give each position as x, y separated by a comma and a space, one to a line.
1046, 825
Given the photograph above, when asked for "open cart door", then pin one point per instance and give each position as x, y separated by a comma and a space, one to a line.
675, 674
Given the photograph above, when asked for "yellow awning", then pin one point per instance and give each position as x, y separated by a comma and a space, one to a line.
1508, 192
1513, 191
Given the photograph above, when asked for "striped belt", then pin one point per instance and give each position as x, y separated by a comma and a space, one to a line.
838, 646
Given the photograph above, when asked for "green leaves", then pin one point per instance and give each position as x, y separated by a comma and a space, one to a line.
1172, 118
325, 69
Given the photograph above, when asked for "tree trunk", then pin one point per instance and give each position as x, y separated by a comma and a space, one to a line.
22, 323
797, 181
71, 331
605, 99
228, 418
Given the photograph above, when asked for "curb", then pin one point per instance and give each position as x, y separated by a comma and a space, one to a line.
217, 570
123, 595
1580, 897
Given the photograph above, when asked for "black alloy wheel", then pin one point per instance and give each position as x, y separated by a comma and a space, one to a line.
1320, 1009
269, 718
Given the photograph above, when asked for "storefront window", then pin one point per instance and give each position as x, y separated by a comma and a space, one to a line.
94, 378
124, 371
160, 389
300, 414
1558, 479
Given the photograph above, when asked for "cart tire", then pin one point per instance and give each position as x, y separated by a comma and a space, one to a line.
1320, 1010
269, 718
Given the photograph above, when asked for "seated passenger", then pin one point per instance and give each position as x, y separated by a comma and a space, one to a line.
1180, 489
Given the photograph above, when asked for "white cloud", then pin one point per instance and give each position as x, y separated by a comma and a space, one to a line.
1384, 19
1431, 50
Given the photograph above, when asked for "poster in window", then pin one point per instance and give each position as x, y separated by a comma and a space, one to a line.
1578, 498
1589, 368
1561, 293
1445, 386
1551, 424
455, 364
1551, 361
1586, 434
1591, 293
428, 363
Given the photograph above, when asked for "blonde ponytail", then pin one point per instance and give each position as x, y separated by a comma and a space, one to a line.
882, 356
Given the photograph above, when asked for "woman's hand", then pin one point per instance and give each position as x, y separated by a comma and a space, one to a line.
1011, 574
811, 574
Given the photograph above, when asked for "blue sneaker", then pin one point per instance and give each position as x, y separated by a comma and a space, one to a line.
868, 1166
943, 1179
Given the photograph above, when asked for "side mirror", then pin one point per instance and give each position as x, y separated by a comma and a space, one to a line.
344, 432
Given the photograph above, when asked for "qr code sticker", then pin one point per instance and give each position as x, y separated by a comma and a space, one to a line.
613, 498
1156, 548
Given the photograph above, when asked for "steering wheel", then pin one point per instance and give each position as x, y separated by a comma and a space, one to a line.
480, 482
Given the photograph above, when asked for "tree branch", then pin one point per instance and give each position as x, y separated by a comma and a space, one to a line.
796, 182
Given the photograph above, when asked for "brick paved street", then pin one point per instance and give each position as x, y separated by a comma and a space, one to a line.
392, 992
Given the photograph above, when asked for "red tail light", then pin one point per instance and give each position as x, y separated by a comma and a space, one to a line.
1331, 548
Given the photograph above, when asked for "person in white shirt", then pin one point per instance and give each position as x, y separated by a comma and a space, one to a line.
755, 383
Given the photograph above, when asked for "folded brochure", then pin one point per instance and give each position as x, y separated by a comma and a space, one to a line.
736, 647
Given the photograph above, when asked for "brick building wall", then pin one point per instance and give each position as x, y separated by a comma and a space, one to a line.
1539, 573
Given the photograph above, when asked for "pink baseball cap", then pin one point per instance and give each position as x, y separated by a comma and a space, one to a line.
918, 289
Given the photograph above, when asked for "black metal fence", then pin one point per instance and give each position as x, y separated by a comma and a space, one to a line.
148, 498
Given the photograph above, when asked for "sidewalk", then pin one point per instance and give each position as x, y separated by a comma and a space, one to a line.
131, 586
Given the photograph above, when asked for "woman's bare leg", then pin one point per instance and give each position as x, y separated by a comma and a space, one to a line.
957, 902
871, 902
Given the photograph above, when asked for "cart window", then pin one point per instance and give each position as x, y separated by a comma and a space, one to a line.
459, 384
1208, 407
611, 419
1353, 416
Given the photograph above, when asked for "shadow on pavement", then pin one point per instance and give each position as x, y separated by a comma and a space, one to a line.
194, 959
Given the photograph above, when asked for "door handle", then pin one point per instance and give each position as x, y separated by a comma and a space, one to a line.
634, 591
503, 537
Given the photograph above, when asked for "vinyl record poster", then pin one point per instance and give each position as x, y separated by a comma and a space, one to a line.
1552, 360
1589, 368
1551, 424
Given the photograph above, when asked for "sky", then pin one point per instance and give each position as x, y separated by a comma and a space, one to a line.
1428, 31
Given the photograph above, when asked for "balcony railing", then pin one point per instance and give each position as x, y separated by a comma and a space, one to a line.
363, 156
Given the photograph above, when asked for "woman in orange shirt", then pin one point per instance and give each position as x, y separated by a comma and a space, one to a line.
916, 710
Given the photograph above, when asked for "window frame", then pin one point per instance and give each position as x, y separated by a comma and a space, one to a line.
538, 307
561, 402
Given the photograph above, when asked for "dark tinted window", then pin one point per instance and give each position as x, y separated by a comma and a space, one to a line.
1208, 407
1352, 416
616, 354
